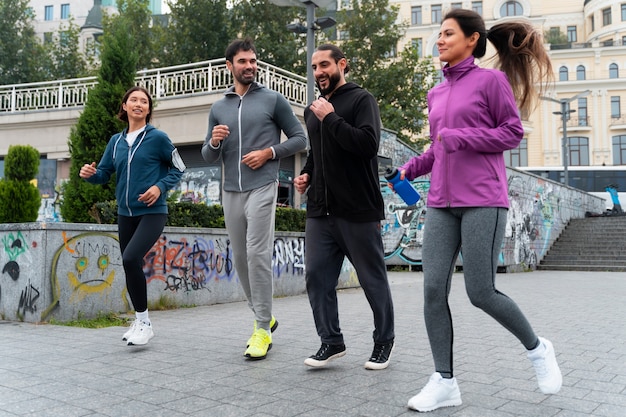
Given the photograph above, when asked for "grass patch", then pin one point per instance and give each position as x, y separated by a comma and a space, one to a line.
98, 322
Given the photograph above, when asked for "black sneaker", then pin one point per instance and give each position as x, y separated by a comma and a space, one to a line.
380, 356
325, 354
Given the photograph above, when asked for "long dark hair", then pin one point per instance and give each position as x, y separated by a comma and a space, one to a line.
123, 115
520, 52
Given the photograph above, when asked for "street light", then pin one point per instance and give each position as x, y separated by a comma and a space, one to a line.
564, 113
311, 26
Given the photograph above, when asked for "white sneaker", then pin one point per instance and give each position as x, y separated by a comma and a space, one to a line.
141, 335
131, 330
437, 393
546, 367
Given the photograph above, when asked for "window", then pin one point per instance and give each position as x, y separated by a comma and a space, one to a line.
582, 112
49, 13
456, 5
511, 8
517, 157
435, 13
578, 150
65, 11
477, 6
571, 34
580, 72
592, 23
623, 12
606, 16
619, 150
616, 112
418, 44
613, 71
435, 51
47, 38
563, 76
416, 15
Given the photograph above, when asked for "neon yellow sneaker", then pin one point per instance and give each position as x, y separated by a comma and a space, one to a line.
273, 326
260, 344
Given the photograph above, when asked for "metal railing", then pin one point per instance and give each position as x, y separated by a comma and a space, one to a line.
176, 81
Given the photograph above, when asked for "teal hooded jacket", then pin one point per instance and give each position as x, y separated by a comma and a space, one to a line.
151, 160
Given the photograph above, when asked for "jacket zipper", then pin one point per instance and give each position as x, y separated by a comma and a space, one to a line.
323, 166
446, 156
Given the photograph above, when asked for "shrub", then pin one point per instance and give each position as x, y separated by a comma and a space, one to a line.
19, 198
187, 214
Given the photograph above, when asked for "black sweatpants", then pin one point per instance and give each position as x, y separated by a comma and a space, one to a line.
328, 240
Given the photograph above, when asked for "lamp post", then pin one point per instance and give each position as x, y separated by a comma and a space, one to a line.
564, 113
311, 26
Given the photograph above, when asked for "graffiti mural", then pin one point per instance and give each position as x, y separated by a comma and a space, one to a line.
87, 266
403, 227
539, 210
16, 261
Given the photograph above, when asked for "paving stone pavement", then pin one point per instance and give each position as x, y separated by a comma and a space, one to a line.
195, 366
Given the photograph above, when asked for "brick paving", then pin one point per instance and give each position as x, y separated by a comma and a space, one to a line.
195, 366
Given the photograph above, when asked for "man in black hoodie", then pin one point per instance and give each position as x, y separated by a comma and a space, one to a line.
344, 206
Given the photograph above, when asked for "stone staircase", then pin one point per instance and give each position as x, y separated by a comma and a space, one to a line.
589, 244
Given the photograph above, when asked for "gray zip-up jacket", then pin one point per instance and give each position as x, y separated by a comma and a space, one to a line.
255, 121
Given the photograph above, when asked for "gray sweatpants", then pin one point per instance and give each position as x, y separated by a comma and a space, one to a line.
477, 232
249, 218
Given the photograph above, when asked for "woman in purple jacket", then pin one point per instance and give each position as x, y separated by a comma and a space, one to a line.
474, 118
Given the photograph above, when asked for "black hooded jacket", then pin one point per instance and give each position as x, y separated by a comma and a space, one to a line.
343, 158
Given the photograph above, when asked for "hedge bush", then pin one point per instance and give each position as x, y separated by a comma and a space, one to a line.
186, 214
19, 198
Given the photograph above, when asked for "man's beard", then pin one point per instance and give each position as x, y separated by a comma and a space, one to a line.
333, 80
245, 80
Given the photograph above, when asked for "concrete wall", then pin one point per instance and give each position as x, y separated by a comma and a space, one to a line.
539, 210
63, 270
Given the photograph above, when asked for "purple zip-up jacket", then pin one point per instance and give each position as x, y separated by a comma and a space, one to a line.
474, 113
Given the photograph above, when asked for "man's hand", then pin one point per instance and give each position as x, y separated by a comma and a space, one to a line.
321, 108
301, 182
219, 133
256, 159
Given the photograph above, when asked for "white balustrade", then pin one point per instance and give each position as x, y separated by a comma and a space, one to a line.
176, 81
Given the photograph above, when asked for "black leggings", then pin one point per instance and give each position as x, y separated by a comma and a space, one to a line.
137, 235
479, 231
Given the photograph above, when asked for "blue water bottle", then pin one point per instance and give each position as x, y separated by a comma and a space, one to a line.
403, 187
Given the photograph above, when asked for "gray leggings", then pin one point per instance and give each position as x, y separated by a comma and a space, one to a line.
481, 231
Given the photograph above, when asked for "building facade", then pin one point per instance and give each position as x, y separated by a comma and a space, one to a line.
586, 40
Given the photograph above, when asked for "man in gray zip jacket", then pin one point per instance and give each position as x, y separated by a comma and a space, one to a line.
244, 131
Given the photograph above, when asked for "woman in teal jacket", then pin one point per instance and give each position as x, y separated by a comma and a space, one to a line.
146, 165
474, 117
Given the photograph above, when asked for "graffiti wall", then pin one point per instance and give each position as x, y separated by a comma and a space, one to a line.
66, 270
539, 210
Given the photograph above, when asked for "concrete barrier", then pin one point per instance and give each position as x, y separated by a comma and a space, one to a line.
67, 270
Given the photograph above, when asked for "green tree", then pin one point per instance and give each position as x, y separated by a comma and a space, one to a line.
266, 24
19, 197
98, 121
22, 56
65, 57
137, 14
399, 83
198, 30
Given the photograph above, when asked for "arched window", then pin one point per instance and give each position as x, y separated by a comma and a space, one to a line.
613, 71
580, 72
511, 8
435, 50
563, 76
